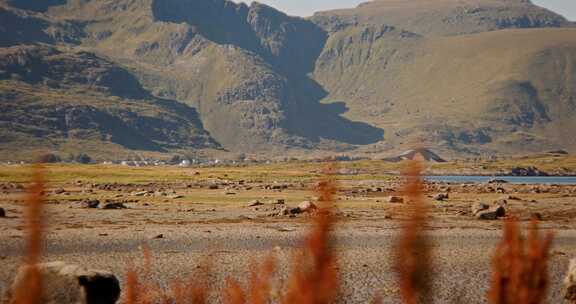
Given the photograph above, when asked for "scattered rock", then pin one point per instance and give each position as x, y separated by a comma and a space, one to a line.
570, 282
59, 191
284, 211
307, 206
280, 201
478, 207
497, 181
159, 236
68, 283
175, 196
286, 229
487, 215
2, 212
114, 206
500, 211
536, 216
247, 217
90, 204
492, 213
441, 196
141, 193
255, 203
213, 187
294, 211
500, 202
394, 199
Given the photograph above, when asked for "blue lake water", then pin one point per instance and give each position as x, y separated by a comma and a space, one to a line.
559, 180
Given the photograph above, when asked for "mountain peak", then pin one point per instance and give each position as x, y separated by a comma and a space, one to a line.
445, 17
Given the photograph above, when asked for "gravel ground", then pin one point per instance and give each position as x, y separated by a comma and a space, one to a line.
461, 256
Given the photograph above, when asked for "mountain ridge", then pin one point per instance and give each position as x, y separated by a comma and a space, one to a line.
259, 81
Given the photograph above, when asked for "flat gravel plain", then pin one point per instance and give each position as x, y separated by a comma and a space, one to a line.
461, 256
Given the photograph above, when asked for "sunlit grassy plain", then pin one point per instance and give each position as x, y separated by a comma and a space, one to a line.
286, 171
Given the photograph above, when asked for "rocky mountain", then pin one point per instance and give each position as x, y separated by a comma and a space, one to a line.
166, 76
465, 77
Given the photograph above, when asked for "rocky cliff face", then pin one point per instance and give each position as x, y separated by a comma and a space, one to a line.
55, 96
164, 75
457, 75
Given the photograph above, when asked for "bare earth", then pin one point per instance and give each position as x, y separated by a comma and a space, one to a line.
197, 224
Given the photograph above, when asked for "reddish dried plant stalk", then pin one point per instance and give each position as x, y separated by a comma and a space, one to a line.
234, 294
261, 282
315, 279
132, 288
259, 290
412, 251
140, 291
30, 292
198, 288
520, 267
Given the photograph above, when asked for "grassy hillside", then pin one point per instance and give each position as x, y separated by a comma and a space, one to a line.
462, 77
504, 91
53, 99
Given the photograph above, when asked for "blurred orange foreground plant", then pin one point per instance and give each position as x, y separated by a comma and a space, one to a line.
314, 278
30, 292
413, 253
519, 267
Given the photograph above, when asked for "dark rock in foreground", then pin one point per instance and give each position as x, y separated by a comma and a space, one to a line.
70, 284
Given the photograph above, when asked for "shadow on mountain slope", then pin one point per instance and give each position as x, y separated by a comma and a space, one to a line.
16, 29
316, 121
36, 5
80, 96
290, 45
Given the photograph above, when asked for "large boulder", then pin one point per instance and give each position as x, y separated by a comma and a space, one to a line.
117, 205
478, 207
394, 199
570, 283
493, 213
441, 196
90, 204
307, 206
64, 283
2, 212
